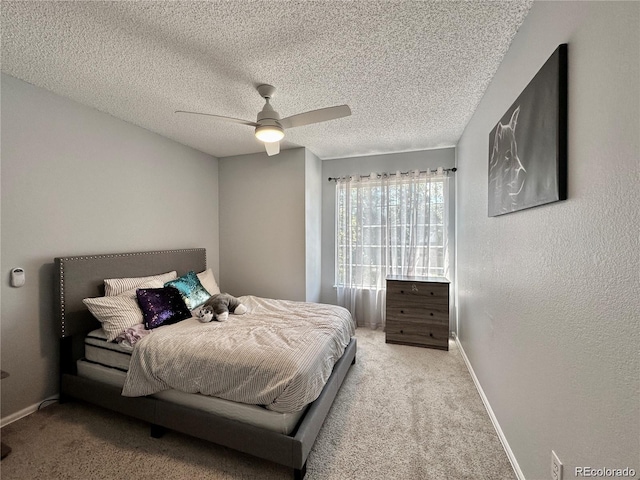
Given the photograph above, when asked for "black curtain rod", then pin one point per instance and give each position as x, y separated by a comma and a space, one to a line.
454, 169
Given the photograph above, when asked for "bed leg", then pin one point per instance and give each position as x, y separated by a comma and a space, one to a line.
157, 431
299, 474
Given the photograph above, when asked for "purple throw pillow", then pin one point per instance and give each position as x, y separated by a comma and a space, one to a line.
161, 306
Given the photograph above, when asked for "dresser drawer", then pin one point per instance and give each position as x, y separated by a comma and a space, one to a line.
401, 291
436, 313
418, 334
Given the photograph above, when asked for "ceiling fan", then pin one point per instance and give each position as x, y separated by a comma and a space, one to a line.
269, 127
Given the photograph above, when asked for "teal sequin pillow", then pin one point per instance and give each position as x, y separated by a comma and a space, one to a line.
191, 290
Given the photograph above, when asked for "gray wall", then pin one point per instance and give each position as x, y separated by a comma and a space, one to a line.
313, 225
262, 225
364, 165
548, 297
78, 181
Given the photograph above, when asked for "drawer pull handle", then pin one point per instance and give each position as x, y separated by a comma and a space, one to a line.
401, 331
431, 334
401, 291
431, 293
431, 313
401, 311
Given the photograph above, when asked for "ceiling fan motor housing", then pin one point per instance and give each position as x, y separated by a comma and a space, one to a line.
269, 128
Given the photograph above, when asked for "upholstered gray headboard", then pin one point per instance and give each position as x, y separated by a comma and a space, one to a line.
83, 276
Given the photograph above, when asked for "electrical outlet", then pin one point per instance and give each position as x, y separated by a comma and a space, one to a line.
556, 467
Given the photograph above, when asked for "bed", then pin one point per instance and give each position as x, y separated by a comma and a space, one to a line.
285, 438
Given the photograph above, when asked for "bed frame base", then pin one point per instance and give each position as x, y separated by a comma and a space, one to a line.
83, 276
157, 431
288, 450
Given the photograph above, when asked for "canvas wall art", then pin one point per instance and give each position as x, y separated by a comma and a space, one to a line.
528, 146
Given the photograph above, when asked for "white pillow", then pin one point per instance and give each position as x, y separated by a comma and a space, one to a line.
116, 286
208, 281
116, 313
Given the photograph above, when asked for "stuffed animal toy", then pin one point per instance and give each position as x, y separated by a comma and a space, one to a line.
219, 306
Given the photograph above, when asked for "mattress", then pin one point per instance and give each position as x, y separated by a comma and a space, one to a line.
109, 354
278, 354
108, 362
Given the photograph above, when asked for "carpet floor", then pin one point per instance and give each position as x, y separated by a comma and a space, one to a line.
402, 413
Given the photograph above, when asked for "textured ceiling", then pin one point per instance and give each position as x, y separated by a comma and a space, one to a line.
412, 72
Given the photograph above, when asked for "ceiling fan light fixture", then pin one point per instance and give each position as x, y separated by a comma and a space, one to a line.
269, 133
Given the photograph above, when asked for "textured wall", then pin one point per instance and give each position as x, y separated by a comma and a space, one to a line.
262, 225
548, 297
313, 226
76, 181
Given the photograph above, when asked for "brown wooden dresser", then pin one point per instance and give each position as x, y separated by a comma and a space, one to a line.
418, 311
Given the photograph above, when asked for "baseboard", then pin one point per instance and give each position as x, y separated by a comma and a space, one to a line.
494, 420
27, 411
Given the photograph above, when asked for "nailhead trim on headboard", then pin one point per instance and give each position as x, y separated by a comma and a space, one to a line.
111, 255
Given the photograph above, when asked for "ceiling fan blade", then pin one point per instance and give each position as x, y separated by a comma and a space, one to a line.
272, 148
316, 116
220, 117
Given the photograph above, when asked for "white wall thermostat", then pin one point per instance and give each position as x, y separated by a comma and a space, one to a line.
17, 277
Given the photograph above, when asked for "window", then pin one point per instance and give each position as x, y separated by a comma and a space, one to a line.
390, 225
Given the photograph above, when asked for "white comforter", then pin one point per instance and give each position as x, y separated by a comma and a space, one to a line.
279, 354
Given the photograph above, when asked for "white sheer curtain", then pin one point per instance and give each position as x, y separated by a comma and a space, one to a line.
390, 224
